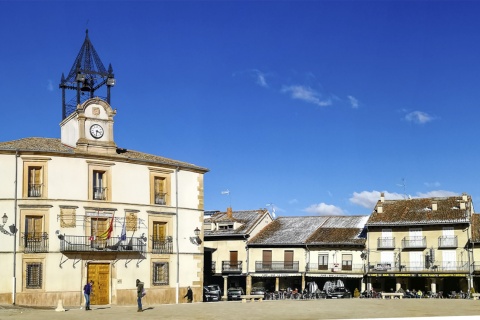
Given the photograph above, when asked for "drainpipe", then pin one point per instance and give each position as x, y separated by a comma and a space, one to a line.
176, 235
14, 280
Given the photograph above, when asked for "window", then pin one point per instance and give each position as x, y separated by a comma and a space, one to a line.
322, 261
99, 183
35, 177
267, 259
347, 261
225, 227
288, 259
160, 186
160, 194
160, 273
33, 275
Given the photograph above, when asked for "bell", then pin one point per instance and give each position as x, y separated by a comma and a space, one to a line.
85, 86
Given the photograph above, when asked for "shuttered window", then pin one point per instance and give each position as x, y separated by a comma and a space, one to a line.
159, 230
160, 273
34, 227
35, 181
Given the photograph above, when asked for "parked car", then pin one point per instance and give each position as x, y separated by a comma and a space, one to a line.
235, 293
339, 292
212, 293
258, 290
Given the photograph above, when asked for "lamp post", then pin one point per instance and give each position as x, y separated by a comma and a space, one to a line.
13, 231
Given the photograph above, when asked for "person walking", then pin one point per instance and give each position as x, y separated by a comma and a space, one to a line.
139, 295
189, 295
87, 290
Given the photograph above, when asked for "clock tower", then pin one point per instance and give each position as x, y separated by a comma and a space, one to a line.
87, 119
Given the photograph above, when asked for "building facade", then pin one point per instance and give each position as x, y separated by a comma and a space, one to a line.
81, 208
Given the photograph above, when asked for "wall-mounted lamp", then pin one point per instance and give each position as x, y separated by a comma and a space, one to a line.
196, 240
13, 228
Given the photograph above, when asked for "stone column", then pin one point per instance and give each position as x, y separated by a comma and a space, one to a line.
277, 283
249, 285
303, 282
225, 287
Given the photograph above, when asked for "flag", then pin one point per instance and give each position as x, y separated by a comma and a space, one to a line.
107, 234
123, 235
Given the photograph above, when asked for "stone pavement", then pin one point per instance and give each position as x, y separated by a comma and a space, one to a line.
277, 310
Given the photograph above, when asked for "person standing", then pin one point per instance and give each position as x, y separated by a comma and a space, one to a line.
189, 295
87, 290
139, 295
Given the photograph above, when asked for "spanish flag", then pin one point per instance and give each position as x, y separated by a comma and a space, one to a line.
107, 234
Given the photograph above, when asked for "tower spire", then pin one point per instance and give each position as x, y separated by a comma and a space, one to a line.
86, 76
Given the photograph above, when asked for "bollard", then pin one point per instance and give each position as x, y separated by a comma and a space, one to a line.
60, 306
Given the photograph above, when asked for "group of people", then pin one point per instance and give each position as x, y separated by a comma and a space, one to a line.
87, 291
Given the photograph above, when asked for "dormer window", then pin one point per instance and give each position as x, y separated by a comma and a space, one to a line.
225, 226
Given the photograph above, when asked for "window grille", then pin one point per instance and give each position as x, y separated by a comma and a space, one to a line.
34, 276
160, 273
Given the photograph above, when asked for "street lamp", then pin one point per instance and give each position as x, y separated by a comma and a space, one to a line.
196, 240
13, 228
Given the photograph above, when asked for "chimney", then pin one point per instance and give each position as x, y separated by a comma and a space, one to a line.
229, 213
382, 197
380, 209
465, 197
462, 205
434, 206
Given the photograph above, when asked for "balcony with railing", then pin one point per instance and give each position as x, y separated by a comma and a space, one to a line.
231, 266
162, 245
34, 189
385, 243
99, 193
276, 266
334, 267
160, 198
92, 244
438, 266
414, 242
447, 242
34, 242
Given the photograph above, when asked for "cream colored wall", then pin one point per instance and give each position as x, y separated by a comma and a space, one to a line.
222, 252
256, 255
68, 186
335, 256
432, 234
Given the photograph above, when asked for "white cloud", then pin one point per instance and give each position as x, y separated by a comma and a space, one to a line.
306, 94
353, 101
437, 193
261, 80
50, 85
324, 209
368, 199
418, 117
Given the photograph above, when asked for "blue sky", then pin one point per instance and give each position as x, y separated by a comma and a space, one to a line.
314, 107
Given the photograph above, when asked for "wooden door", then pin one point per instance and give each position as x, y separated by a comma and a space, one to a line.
288, 259
100, 274
267, 259
234, 260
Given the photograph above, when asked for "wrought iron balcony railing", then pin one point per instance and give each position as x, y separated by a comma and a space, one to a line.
437, 266
276, 266
386, 243
414, 242
86, 244
34, 242
34, 189
160, 198
99, 193
447, 242
334, 267
231, 266
162, 245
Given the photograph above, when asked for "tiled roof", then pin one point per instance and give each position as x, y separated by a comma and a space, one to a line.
420, 211
247, 218
475, 227
312, 230
52, 145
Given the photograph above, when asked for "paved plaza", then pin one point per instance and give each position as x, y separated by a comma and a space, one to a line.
278, 310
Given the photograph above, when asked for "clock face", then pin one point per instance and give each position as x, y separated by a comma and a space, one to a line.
96, 131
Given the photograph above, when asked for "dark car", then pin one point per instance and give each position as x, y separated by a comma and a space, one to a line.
339, 292
212, 293
258, 290
235, 293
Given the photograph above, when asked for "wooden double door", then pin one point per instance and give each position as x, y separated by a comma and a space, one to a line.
100, 274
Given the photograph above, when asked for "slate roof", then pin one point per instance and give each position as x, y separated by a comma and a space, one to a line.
248, 219
55, 146
312, 230
420, 212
